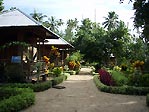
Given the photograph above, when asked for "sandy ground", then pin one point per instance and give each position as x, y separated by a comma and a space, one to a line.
81, 95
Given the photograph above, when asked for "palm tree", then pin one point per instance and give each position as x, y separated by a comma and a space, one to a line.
38, 16
111, 22
72, 23
69, 31
53, 24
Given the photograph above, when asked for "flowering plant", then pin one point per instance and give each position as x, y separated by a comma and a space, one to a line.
71, 64
46, 59
54, 53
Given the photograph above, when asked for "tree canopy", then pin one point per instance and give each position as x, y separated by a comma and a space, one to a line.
141, 17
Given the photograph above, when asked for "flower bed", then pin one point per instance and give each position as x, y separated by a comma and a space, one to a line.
19, 98
129, 90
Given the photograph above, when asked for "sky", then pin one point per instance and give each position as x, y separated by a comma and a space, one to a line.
96, 10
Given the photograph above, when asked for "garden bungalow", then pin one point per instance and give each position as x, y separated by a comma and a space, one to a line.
16, 26
19, 34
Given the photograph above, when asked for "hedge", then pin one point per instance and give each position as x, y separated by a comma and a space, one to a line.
24, 98
36, 87
58, 80
147, 99
129, 90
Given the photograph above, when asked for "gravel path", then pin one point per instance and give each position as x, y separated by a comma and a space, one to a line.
81, 95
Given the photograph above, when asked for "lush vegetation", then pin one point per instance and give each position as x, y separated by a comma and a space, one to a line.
131, 90
15, 99
126, 74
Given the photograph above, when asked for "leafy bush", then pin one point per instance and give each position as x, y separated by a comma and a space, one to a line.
36, 87
58, 80
147, 99
139, 80
105, 77
24, 98
130, 90
57, 71
119, 78
6, 93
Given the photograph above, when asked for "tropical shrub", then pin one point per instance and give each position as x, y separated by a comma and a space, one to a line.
58, 80
139, 80
71, 65
57, 71
105, 77
74, 61
119, 78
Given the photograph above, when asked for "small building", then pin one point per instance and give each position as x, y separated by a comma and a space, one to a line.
63, 46
16, 26
25, 41
19, 34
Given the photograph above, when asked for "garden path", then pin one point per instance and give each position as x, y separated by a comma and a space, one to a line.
81, 95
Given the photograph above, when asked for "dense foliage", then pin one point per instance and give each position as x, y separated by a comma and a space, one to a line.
19, 98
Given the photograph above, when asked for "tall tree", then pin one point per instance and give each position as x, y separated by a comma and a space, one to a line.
1, 5
38, 16
141, 17
111, 22
90, 41
53, 24
69, 31
141, 21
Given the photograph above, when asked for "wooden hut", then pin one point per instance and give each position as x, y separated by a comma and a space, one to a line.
19, 34
63, 46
